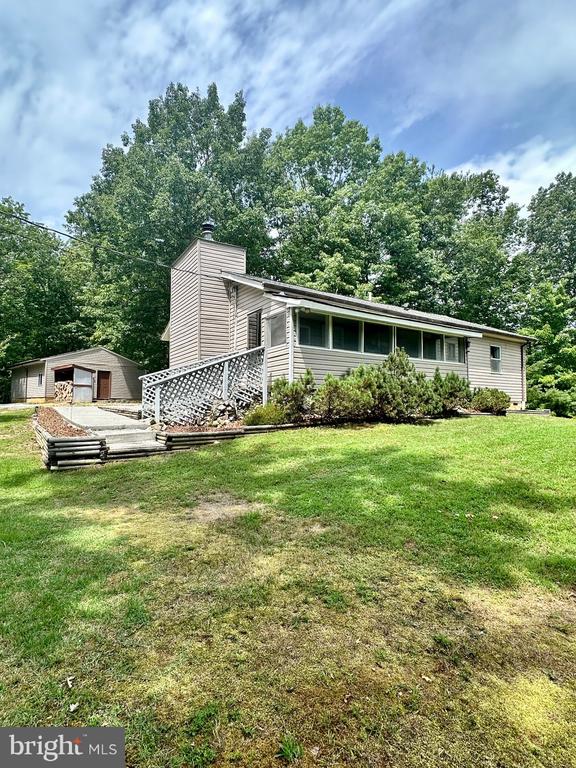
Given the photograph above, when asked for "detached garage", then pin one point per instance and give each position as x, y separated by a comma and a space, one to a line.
83, 376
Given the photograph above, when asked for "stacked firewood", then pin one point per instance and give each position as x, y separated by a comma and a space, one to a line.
63, 392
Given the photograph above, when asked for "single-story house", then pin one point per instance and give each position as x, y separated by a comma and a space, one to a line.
216, 308
81, 376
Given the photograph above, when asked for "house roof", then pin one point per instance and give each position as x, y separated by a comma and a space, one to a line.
71, 352
278, 288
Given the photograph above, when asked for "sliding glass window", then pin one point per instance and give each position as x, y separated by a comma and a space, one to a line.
409, 341
455, 350
345, 334
377, 338
433, 346
313, 329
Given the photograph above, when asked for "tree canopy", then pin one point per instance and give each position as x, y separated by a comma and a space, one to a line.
40, 295
189, 161
319, 205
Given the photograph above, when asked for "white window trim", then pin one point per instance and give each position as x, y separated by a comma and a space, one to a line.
496, 359
376, 355
268, 337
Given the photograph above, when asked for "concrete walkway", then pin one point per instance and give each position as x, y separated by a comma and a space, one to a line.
92, 417
126, 438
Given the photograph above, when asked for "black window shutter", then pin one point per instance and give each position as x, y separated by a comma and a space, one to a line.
255, 329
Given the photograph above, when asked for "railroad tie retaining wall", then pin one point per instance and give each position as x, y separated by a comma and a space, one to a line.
175, 441
69, 452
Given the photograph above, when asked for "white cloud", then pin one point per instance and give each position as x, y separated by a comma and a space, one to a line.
526, 167
482, 58
74, 75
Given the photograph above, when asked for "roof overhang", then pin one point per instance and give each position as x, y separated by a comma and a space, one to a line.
331, 309
243, 280
276, 291
67, 366
24, 363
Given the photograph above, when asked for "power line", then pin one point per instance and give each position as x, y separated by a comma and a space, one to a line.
110, 248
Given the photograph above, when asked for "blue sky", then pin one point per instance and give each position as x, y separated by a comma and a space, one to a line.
460, 83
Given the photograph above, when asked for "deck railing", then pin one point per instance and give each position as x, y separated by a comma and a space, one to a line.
187, 394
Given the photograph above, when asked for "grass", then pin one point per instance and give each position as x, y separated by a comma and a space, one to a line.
384, 596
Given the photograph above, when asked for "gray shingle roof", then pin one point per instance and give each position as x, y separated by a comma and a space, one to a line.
334, 299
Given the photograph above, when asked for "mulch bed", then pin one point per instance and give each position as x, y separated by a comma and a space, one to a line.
203, 428
57, 425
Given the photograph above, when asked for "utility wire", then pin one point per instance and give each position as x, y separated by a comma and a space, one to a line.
102, 247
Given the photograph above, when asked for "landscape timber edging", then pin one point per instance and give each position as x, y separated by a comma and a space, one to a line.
69, 452
180, 440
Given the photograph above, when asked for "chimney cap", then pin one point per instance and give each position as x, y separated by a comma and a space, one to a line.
208, 229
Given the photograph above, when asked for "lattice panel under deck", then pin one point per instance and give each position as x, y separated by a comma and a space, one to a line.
187, 396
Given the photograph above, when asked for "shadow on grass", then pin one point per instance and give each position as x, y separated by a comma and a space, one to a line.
55, 567
480, 525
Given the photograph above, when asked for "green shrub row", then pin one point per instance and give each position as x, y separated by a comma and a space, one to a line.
390, 391
490, 401
562, 402
270, 413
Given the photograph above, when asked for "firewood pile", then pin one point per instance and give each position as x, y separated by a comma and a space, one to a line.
63, 392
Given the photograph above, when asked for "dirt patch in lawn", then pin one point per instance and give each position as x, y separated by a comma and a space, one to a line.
210, 509
57, 425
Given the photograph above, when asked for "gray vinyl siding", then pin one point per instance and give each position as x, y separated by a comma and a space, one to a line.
214, 258
278, 357
510, 379
277, 362
337, 362
125, 384
185, 309
24, 384
35, 389
18, 384
200, 320
248, 300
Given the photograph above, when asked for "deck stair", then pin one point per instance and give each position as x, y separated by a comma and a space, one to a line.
187, 394
129, 442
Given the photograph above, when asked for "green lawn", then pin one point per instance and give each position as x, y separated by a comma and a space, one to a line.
398, 596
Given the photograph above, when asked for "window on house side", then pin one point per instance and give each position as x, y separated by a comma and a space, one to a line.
432, 345
409, 341
313, 330
277, 329
255, 329
454, 348
377, 338
40, 379
345, 334
496, 359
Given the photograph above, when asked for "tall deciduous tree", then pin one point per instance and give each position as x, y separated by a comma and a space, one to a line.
551, 319
189, 161
40, 301
395, 228
309, 166
552, 231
